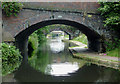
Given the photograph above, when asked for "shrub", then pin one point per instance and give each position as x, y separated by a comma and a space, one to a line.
11, 58
32, 44
82, 38
33, 41
111, 14
11, 8
41, 36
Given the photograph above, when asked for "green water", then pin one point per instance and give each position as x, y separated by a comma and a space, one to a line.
53, 62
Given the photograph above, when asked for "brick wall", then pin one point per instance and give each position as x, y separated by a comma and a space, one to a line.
71, 6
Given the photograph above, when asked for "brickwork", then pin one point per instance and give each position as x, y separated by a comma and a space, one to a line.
82, 16
27, 17
90, 7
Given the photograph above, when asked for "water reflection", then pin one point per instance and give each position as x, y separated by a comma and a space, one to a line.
63, 69
56, 45
47, 66
53, 58
39, 60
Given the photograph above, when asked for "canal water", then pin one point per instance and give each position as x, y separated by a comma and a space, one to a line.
53, 62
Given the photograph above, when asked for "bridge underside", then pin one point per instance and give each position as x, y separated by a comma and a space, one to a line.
93, 37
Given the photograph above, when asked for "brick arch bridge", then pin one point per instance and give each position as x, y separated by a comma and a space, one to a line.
30, 19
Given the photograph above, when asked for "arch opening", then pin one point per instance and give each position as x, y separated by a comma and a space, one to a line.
93, 37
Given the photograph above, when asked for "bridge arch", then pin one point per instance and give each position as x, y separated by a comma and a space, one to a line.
66, 32
93, 37
62, 31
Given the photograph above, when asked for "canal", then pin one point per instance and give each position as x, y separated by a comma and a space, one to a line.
53, 62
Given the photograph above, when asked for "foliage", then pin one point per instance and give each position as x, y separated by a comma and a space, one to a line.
40, 60
11, 8
41, 35
113, 48
11, 58
66, 36
32, 44
112, 45
82, 38
33, 40
114, 52
111, 14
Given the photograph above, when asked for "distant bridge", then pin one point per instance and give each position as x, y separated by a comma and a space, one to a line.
71, 31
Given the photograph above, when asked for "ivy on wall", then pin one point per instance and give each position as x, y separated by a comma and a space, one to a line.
111, 14
11, 8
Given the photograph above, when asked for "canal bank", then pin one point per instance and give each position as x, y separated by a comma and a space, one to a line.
101, 59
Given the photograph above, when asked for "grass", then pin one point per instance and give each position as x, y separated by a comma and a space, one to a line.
66, 36
82, 38
92, 58
79, 54
72, 47
114, 53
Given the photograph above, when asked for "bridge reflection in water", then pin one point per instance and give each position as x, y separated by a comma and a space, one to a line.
58, 68
56, 45
53, 64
